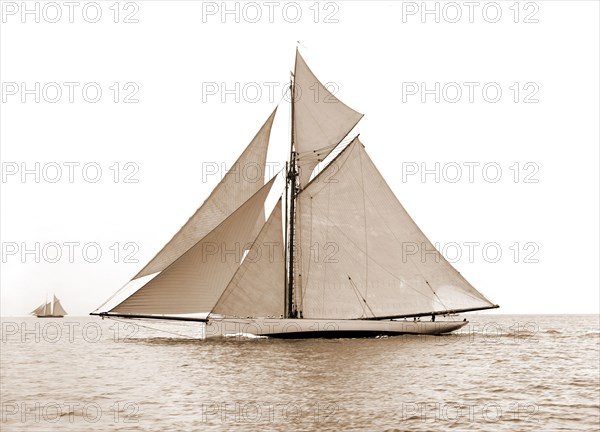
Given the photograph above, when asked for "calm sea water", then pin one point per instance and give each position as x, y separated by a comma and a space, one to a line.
501, 373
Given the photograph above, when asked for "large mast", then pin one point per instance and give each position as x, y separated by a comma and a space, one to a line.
285, 243
292, 176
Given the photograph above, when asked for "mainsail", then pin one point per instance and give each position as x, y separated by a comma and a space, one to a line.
362, 254
233, 190
321, 120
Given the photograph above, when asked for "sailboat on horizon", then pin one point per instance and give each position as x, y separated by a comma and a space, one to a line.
52, 309
337, 256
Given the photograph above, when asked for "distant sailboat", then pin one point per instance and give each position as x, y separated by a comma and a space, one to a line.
51, 309
338, 255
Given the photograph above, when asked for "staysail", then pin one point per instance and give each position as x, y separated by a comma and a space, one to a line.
362, 254
233, 190
194, 282
256, 289
321, 120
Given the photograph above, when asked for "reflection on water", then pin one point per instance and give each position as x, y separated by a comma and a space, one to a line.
501, 372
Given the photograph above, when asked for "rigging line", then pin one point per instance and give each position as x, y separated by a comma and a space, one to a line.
326, 167
313, 180
285, 242
317, 151
151, 328
360, 297
364, 315
326, 233
375, 262
315, 155
303, 287
292, 180
434, 293
117, 292
362, 177
299, 269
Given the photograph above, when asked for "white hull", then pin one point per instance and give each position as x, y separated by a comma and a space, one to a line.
321, 328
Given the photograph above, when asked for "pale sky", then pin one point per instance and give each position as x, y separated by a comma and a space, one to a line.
501, 171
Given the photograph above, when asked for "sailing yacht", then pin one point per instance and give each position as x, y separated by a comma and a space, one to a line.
338, 255
51, 309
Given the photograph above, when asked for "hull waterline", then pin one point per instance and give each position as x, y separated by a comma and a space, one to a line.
321, 328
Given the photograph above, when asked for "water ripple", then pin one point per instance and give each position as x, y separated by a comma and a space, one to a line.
500, 373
